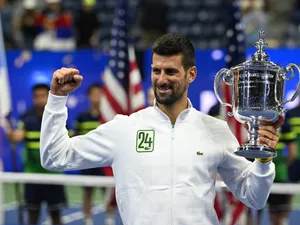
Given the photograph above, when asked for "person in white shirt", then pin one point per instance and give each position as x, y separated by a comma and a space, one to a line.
165, 158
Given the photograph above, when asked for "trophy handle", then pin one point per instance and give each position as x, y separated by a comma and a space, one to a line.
228, 79
291, 67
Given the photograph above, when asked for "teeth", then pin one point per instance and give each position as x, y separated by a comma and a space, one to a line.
164, 88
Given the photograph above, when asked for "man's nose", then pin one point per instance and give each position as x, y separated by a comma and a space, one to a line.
162, 78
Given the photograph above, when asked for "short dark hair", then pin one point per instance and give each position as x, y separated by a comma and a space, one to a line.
40, 86
92, 86
176, 44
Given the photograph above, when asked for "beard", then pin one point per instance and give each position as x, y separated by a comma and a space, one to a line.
170, 98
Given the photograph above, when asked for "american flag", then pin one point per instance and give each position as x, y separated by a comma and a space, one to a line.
236, 55
123, 92
5, 104
235, 210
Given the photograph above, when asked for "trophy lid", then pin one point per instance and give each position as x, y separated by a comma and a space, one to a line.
260, 55
259, 60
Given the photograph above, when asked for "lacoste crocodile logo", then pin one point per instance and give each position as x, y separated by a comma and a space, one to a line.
200, 153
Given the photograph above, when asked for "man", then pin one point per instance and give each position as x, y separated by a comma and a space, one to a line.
55, 25
85, 122
87, 25
29, 131
280, 204
165, 158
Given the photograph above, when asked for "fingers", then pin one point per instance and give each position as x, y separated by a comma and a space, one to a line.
279, 122
64, 75
65, 81
267, 129
276, 124
268, 136
267, 141
78, 78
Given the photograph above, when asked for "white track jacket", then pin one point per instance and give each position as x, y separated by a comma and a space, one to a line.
164, 175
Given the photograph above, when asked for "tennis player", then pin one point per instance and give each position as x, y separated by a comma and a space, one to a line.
165, 158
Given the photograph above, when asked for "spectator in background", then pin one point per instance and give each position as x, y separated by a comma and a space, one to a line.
293, 28
7, 23
253, 20
280, 204
85, 122
28, 24
293, 118
215, 110
87, 26
153, 26
56, 28
28, 131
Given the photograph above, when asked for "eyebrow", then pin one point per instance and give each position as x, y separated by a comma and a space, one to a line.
171, 70
168, 69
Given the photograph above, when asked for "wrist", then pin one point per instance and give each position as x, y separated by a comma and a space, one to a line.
56, 102
55, 93
264, 160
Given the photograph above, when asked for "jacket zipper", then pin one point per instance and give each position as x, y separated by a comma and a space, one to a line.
172, 171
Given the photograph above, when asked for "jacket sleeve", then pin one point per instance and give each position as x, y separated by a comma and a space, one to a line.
60, 152
249, 181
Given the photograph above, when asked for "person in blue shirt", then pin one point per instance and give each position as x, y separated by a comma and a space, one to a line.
28, 131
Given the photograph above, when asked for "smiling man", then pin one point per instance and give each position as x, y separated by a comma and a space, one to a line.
165, 158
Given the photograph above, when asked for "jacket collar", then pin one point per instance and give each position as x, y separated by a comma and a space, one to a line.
160, 115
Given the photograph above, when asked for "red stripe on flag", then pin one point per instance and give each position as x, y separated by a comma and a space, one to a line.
237, 212
113, 102
232, 122
137, 88
133, 65
103, 120
218, 208
236, 127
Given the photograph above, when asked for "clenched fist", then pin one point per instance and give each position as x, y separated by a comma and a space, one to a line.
65, 81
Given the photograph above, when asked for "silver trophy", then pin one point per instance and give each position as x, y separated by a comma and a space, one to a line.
257, 95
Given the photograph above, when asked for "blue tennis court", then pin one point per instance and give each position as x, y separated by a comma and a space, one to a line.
73, 215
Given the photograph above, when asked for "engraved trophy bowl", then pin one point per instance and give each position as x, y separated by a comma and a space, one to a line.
257, 95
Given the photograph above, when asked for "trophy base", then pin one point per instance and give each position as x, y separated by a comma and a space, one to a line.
256, 151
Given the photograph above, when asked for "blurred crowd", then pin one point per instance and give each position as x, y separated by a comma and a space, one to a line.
31, 24
70, 24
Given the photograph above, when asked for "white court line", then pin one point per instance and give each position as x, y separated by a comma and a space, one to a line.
10, 206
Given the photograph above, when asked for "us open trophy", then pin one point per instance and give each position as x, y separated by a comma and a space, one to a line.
257, 95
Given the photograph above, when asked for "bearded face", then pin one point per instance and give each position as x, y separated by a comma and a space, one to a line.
169, 79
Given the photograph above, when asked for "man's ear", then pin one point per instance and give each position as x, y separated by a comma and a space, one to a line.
191, 74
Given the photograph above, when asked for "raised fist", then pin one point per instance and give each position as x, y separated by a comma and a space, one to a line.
65, 81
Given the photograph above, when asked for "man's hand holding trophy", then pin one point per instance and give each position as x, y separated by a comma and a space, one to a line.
257, 97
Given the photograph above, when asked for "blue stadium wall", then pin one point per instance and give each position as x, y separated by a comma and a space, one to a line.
38, 67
